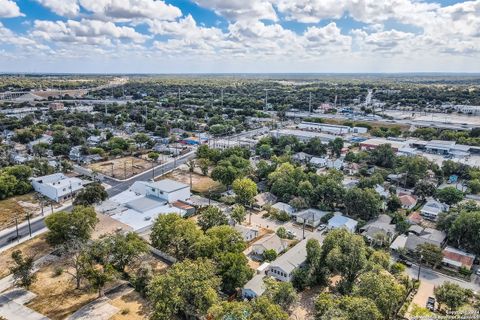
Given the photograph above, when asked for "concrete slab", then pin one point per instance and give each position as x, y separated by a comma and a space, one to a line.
99, 309
11, 305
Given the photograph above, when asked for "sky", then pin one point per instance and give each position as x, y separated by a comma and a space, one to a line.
239, 36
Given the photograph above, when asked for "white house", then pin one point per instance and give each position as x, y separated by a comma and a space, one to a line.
169, 190
57, 186
318, 162
281, 206
254, 288
271, 242
340, 221
282, 268
248, 233
432, 209
311, 217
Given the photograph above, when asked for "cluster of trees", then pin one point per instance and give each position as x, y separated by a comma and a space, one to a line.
14, 180
216, 241
96, 261
462, 225
370, 287
471, 137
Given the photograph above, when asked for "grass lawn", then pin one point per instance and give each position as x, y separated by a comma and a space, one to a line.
16, 206
37, 246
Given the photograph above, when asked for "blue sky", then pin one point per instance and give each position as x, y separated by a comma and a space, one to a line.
155, 36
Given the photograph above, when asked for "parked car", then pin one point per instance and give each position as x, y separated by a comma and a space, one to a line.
405, 262
291, 234
322, 227
478, 272
431, 303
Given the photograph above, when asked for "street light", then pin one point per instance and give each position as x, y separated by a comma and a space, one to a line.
419, 267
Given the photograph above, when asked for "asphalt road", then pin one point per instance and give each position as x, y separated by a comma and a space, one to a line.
118, 186
437, 279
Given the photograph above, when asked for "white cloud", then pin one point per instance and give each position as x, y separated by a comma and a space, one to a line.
91, 32
69, 8
9, 9
234, 10
127, 10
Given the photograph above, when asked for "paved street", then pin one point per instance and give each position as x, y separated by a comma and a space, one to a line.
437, 279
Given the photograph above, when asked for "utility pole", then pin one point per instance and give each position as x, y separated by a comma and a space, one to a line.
419, 267
125, 169
29, 226
310, 102
16, 227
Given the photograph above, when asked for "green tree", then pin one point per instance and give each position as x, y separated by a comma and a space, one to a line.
220, 239
474, 186
188, 289
281, 293
393, 204
22, 270
153, 155
424, 189
245, 190
363, 203
211, 216
233, 268
465, 231
346, 254
452, 295
92, 194
269, 255
336, 145
265, 309
383, 156
449, 195
71, 226
430, 253
203, 164
238, 213
225, 174
359, 308
175, 236
124, 249
383, 289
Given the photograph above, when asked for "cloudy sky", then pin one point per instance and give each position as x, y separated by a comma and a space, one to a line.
190, 36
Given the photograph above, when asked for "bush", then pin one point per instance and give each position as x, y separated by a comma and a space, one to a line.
125, 311
58, 271
269, 255
281, 216
327, 217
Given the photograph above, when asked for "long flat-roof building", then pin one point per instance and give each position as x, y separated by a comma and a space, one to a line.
303, 135
330, 128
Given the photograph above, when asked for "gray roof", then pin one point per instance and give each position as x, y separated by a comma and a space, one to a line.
145, 204
256, 284
311, 214
294, 257
271, 242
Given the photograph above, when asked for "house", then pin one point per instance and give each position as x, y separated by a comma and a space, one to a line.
167, 189
351, 168
318, 162
280, 206
335, 164
75, 153
382, 226
283, 267
254, 288
381, 191
456, 259
311, 217
270, 242
417, 236
57, 186
56, 106
408, 201
47, 139
339, 221
263, 199
301, 157
94, 140
248, 233
350, 183
432, 209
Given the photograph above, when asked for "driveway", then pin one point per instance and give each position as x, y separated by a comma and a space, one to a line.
12, 305
99, 309
259, 221
425, 290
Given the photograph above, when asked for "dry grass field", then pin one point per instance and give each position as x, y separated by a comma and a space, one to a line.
122, 168
17, 206
200, 183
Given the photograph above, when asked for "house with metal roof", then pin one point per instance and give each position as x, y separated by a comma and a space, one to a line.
455, 258
340, 221
282, 268
255, 287
382, 226
311, 217
269, 242
432, 209
281, 206
248, 233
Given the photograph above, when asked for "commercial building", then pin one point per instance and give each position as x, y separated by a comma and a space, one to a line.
57, 186
303, 135
330, 128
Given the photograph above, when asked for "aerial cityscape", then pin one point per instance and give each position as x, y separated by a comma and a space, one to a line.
239, 159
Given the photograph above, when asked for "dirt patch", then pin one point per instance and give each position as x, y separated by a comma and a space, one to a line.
122, 168
37, 247
200, 183
18, 206
305, 306
56, 294
132, 307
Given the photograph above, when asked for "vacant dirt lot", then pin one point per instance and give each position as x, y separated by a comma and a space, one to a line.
132, 307
122, 168
200, 183
37, 247
18, 206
